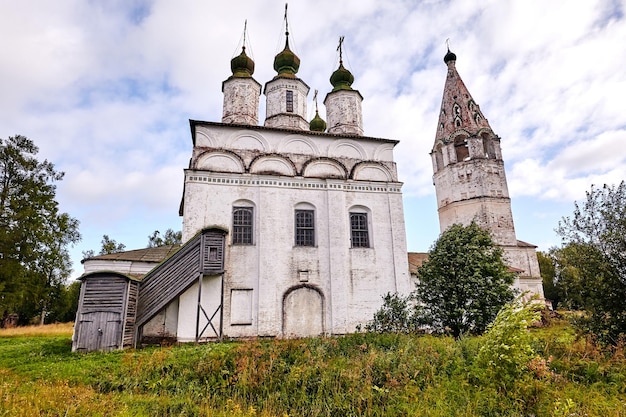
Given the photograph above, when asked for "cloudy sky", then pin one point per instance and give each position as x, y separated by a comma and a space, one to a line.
106, 89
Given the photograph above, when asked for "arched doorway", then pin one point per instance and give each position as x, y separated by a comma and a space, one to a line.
303, 312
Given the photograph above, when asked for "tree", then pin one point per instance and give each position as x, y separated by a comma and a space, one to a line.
169, 238
464, 282
593, 260
547, 267
110, 246
107, 246
34, 234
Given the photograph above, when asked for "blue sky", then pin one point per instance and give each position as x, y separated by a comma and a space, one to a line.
106, 89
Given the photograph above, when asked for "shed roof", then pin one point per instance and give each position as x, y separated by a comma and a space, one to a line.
416, 259
156, 254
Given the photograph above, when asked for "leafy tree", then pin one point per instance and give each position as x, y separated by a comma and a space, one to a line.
169, 238
594, 259
107, 246
464, 282
34, 234
110, 246
547, 266
66, 303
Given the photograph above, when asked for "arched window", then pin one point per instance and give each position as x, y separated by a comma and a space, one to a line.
304, 225
488, 147
360, 231
438, 157
461, 148
243, 225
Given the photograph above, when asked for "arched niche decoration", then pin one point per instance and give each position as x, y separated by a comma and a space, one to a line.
298, 144
219, 161
347, 149
303, 311
249, 140
204, 138
371, 171
384, 152
324, 168
272, 165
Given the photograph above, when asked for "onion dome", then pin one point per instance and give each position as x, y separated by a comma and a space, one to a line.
450, 56
317, 124
341, 79
242, 65
286, 63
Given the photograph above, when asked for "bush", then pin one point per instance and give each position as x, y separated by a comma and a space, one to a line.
395, 316
507, 351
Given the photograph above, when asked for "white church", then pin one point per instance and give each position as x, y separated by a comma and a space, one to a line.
295, 228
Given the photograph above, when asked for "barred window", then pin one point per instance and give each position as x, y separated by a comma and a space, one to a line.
305, 228
358, 230
290, 101
242, 225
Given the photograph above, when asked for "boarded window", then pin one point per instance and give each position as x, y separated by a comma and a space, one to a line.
359, 232
241, 306
242, 225
305, 228
213, 251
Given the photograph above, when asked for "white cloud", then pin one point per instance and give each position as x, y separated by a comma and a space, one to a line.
106, 88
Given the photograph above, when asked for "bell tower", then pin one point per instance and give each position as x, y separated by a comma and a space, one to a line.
469, 177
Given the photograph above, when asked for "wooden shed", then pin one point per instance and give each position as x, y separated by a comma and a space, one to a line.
123, 304
107, 309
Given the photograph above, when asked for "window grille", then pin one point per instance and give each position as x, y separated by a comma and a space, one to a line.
242, 225
305, 228
359, 230
290, 101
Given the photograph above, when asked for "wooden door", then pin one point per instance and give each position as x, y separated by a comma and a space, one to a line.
99, 330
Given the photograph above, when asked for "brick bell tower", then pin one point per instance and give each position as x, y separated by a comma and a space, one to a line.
470, 181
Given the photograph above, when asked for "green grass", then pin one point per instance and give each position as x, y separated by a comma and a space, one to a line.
355, 375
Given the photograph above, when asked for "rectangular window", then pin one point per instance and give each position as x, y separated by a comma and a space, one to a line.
290, 101
242, 225
358, 230
305, 228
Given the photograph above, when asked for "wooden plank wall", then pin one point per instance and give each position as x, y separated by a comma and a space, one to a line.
104, 293
101, 312
168, 280
131, 315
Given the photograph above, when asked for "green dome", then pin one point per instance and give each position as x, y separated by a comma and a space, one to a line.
242, 65
286, 62
341, 79
317, 124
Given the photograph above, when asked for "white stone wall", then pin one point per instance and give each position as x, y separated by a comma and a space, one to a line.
241, 101
276, 104
476, 190
123, 267
343, 112
275, 172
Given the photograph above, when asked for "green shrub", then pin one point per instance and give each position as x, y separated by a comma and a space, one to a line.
507, 348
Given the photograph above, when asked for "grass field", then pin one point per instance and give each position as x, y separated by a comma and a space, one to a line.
355, 375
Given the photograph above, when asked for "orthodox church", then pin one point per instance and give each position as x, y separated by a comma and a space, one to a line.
294, 228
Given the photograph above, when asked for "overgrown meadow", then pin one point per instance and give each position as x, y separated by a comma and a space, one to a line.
364, 374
